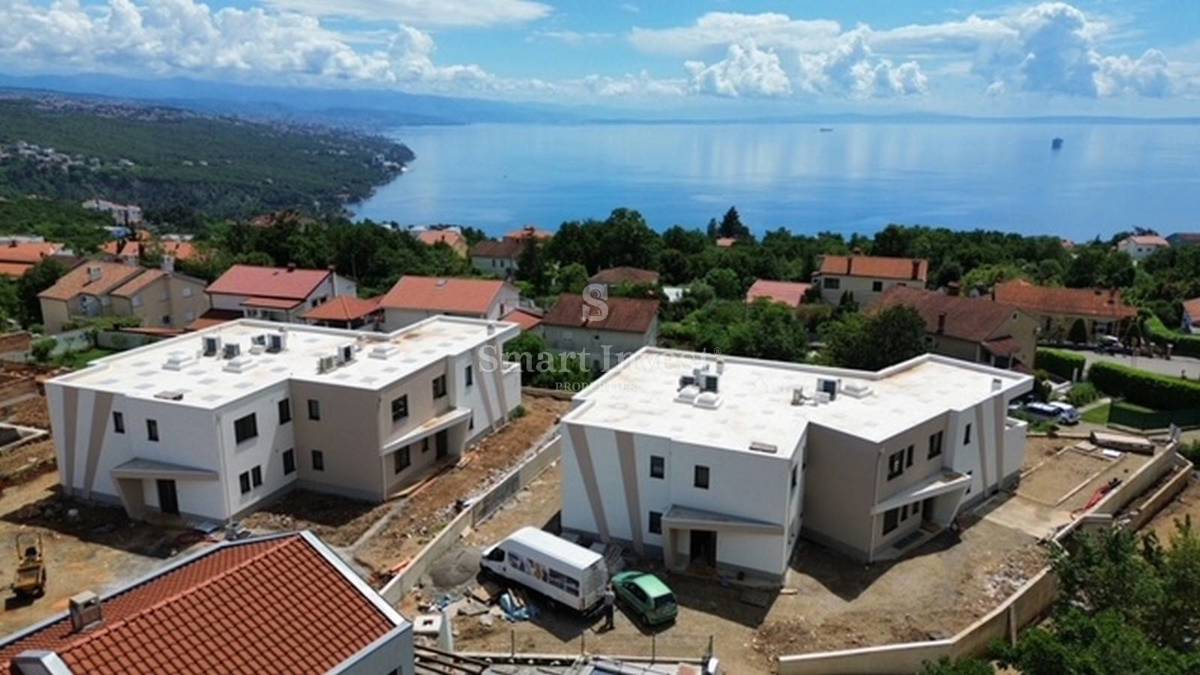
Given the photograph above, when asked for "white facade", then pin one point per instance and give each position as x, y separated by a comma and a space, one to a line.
866, 290
333, 285
1140, 248
731, 478
179, 411
502, 267
603, 348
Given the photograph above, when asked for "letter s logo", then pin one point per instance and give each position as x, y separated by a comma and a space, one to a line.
595, 303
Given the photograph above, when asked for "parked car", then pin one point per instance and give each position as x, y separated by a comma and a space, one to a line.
1057, 411
1067, 413
556, 568
1110, 344
646, 596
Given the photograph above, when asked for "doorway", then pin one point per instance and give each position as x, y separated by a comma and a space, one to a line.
704, 548
168, 497
441, 444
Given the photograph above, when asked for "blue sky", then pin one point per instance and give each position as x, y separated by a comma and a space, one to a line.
1139, 57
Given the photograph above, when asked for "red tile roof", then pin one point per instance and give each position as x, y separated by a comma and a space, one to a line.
529, 232
136, 284
971, 319
79, 280
343, 308
505, 248
524, 318
1149, 240
1092, 302
620, 275
626, 315
29, 253
212, 317
1192, 308
453, 239
128, 248
440, 294
14, 270
275, 605
268, 282
875, 267
271, 303
787, 292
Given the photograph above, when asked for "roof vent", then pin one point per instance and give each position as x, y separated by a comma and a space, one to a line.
276, 342
856, 389
830, 386
710, 400
326, 364
239, 364
687, 394
769, 448
798, 396
179, 360
170, 395
212, 345
94, 272
383, 351
84, 609
231, 351
345, 354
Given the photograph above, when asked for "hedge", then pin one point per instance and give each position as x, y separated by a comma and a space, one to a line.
1060, 363
1184, 345
1144, 388
1138, 417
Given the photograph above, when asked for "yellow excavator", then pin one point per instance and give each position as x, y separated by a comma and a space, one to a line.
30, 578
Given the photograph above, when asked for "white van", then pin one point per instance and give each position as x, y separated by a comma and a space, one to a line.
554, 567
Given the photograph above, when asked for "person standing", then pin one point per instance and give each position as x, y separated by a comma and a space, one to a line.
610, 599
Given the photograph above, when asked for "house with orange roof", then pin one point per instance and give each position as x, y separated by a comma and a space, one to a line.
616, 276
276, 293
787, 293
18, 257
865, 278
161, 298
978, 330
498, 258
604, 331
1142, 246
1102, 311
414, 298
347, 311
527, 319
131, 250
530, 232
452, 238
1191, 316
280, 603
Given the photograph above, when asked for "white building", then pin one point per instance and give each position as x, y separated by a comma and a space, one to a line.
210, 424
725, 462
1142, 246
864, 279
414, 299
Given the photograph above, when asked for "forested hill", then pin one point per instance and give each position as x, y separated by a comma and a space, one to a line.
164, 158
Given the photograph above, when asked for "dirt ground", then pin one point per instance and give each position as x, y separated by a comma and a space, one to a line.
30, 412
1040, 448
1186, 505
1060, 475
827, 602
425, 512
338, 521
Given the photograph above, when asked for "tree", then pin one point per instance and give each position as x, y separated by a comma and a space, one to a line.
531, 267
39, 277
945, 666
40, 350
572, 278
874, 341
731, 226
1078, 333
725, 283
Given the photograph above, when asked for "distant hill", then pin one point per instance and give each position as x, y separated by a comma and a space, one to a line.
76, 148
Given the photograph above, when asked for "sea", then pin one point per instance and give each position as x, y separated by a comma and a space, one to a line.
807, 178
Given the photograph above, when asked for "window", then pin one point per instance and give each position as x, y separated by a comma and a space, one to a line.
904, 513
425, 444
658, 466
891, 520
832, 283
700, 479
795, 477
289, 462
895, 464
285, 411
439, 386
916, 508
166, 319
152, 430
137, 300
256, 476
403, 459
655, 522
877, 286
318, 460
399, 408
935, 445
470, 375
314, 409
967, 435
118, 422
187, 291
245, 428
908, 456
244, 481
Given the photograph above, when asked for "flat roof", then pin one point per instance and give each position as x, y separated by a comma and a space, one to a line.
639, 396
380, 359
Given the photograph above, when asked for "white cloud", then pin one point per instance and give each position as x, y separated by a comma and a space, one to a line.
745, 71
443, 13
721, 29
570, 37
640, 85
853, 69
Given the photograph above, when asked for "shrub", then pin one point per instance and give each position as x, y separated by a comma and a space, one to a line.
1182, 345
1083, 394
1058, 362
41, 349
1145, 388
1191, 451
519, 412
1078, 333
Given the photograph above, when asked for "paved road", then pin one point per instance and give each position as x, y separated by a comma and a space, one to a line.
1178, 365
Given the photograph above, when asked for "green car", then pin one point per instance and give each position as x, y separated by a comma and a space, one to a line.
646, 596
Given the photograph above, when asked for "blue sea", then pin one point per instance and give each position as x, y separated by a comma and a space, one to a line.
855, 178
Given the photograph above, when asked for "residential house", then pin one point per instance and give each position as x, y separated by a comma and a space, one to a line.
603, 331
213, 424
414, 298
276, 293
616, 276
726, 242
283, 603
784, 292
971, 329
866, 278
452, 238
497, 258
663, 453
1141, 246
1102, 312
161, 298
1184, 239
346, 311
527, 319
132, 249
18, 257
1191, 316
529, 232
125, 215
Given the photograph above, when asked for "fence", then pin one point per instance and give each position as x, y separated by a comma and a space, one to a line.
475, 512
1023, 607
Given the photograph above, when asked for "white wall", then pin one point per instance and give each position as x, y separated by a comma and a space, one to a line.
265, 451
863, 288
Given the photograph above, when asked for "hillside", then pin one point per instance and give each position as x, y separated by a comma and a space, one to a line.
159, 158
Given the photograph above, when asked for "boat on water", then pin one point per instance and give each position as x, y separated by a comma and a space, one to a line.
1056, 144
826, 130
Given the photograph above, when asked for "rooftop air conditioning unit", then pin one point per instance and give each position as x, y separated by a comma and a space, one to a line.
830, 386
769, 448
170, 395
798, 396
326, 364
688, 394
276, 342
231, 351
259, 340
212, 345
346, 353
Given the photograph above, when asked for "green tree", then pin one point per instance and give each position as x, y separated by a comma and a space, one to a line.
572, 278
725, 283
945, 666
40, 350
531, 267
731, 225
39, 277
1078, 332
874, 341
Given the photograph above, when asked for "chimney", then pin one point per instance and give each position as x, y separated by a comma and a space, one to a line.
12, 243
168, 264
849, 264
996, 384
916, 269
291, 267
94, 273
333, 280
84, 609
941, 323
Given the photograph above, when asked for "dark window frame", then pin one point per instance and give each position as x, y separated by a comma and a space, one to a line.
403, 459
891, 521
118, 419
285, 410
244, 482
876, 286
935, 445
256, 476
699, 471
895, 465
908, 456
967, 435
655, 525
660, 463
152, 430
469, 375
314, 410
831, 284
245, 428
318, 460
289, 461
399, 408
439, 387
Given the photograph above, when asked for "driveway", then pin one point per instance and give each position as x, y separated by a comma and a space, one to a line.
1177, 366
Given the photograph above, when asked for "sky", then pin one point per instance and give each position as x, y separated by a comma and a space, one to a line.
751, 57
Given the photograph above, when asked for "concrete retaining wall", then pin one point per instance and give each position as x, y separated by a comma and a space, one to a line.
476, 511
